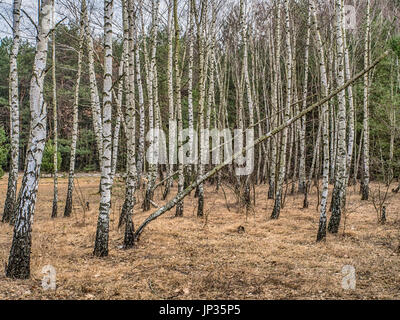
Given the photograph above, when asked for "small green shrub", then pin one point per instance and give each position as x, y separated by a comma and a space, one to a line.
48, 154
4, 150
395, 45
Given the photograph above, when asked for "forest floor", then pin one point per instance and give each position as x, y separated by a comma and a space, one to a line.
191, 258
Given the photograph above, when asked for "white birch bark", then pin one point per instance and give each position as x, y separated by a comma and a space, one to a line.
339, 192
142, 123
14, 116
101, 242
19, 260
71, 176
275, 98
282, 166
203, 64
302, 133
367, 49
94, 93
351, 112
117, 128
131, 178
152, 107
171, 109
321, 235
178, 104
55, 121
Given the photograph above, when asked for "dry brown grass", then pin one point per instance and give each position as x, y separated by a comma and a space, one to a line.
186, 258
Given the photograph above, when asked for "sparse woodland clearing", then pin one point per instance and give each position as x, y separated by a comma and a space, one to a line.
241, 149
193, 258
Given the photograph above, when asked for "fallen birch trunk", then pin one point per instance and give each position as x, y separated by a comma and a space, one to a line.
212, 172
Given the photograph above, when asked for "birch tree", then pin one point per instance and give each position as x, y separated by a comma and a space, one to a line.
14, 116
178, 104
276, 78
131, 145
282, 165
152, 104
71, 175
101, 243
367, 49
19, 259
203, 63
94, 93
302, 163
339, 192
325, 126
55, 120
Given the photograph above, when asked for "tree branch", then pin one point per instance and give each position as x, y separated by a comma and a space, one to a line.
218, 168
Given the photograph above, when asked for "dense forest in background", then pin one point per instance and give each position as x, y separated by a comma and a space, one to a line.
384, 103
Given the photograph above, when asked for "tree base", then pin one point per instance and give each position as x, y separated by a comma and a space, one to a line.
277, 207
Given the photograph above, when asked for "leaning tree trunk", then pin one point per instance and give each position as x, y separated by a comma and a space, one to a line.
101, 243
19, 259
14, 116
265, 137
71, 177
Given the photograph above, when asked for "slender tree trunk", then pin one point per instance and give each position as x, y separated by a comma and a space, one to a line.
128, 85
171, 107
94, 93
71, 176
203, 63
275, 99
152, 79
181, 179
302, 134
101, 243
19, 260
365, 175
321, 235
55, 121
14, 117
117, 128
190, 88
249, 94
142, 114
351, 112
282, 167
339, 191
131, 127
